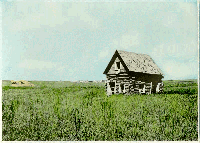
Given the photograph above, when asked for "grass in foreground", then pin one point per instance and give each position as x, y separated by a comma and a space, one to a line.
69, 111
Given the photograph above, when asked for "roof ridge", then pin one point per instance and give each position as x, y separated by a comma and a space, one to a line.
133, 52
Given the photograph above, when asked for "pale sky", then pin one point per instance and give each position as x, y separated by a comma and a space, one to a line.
75, 41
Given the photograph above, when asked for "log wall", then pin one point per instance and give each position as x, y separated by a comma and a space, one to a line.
132, 83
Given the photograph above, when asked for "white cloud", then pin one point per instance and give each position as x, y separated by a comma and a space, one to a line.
178, 70
176, 60
104, 52
185, 50
127, 40
189, 8
49, 14
28, 15
39, 65
169, 19
185, 16
79, 17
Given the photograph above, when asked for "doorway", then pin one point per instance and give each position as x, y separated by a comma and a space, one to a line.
112, 87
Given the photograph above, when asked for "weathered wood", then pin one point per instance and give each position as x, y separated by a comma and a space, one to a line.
124, 83
122, 77
121, 74
111, 74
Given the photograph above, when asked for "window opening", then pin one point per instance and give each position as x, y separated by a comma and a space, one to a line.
118, 65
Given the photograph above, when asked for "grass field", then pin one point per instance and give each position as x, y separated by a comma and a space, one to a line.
76, 111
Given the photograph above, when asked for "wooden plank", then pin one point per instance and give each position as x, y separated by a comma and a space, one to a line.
123, 73
123, 77
147, 86
112, 75
127, 82
148, 83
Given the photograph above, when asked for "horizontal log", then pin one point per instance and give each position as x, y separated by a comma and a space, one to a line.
148, 83
123, 77
126, 83
147, 86
112, 75
136, 91
137, 82
112, 78
123, 73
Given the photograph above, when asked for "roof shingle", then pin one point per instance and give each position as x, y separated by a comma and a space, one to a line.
139, 62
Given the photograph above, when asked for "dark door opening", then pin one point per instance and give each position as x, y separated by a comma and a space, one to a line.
112, 87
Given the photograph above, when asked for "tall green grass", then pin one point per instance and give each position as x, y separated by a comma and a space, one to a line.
68, 111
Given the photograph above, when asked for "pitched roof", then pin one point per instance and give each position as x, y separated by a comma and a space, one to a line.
136, 62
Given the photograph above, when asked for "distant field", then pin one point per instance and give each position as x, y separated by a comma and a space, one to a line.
65, 111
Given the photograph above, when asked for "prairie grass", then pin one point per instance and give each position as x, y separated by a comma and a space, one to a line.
62, 111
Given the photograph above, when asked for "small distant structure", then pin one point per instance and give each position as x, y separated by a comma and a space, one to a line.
90, 81
104, 81
21, 83
82, 81
128, 73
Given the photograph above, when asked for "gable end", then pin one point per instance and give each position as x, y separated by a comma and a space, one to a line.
116, 55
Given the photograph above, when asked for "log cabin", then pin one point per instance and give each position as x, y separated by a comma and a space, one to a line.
130, 73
